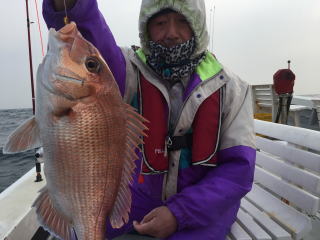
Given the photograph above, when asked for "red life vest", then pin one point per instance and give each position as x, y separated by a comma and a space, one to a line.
205, 129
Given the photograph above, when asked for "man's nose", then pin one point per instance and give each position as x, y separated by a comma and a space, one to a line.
173, 31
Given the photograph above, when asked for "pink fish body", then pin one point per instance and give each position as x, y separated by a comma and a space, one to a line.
88, 135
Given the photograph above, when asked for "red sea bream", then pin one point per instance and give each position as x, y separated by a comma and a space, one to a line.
89, 136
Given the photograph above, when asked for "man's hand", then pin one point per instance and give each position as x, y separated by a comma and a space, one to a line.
159, 223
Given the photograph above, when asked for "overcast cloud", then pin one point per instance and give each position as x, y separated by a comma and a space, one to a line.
253, 38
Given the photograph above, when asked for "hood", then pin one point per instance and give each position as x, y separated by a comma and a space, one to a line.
193, 10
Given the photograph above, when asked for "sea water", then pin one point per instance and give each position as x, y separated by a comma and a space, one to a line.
13, 166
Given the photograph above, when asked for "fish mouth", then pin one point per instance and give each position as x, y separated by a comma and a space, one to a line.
62, 90
69, 79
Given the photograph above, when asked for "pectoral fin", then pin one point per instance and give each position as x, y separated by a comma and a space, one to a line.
25, 137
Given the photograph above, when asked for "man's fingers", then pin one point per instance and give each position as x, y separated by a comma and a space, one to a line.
144, 228
159, 223
149, 216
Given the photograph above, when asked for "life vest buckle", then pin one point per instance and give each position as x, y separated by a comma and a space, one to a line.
177, 142
167, 145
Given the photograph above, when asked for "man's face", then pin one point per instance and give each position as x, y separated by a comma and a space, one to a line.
169, 29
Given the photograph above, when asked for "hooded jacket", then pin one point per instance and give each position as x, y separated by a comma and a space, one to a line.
194, 11
204, 200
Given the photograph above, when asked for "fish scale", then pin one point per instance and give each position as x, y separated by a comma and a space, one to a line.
81, 130
89, 136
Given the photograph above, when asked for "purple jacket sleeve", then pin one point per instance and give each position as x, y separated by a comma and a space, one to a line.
210, 200
93, 27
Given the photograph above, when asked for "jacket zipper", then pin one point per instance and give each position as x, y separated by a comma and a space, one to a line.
186, 100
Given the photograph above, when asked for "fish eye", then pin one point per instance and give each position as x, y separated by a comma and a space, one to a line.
93, 64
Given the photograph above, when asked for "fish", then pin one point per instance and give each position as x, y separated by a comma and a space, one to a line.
89, 137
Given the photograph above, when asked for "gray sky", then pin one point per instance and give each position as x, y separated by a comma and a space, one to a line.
253, 38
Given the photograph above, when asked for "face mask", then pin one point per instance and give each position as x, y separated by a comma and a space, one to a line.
173, 64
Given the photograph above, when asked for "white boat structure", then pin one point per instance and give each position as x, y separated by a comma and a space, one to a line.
18, 220
283, 204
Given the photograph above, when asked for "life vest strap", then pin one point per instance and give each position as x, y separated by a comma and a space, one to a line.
179, 142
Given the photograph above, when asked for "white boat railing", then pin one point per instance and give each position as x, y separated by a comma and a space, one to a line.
15, 205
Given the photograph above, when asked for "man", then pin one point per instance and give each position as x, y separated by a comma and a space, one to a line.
198, 159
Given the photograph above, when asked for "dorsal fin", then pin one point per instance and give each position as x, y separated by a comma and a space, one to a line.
50, 219
135, 128
25, 137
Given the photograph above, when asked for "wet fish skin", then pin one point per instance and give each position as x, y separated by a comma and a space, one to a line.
86, 132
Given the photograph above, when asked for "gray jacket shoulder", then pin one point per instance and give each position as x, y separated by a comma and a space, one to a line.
131, 74
237, 124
